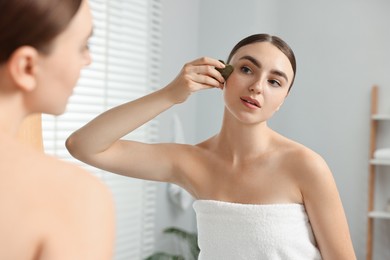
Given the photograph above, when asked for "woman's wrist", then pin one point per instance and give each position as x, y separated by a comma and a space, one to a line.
171, 95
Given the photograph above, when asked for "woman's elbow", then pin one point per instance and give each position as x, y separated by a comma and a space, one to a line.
72, 146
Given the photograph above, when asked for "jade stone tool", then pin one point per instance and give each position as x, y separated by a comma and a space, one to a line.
225, 72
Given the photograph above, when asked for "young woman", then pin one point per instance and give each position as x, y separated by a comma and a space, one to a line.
258, 194
49, 209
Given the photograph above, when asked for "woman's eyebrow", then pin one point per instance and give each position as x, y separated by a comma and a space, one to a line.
280, 73
251, 59
258, 64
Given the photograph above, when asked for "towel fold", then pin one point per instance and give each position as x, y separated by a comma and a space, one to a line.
382, 154
245, 231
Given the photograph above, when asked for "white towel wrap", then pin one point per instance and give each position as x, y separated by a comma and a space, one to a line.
254, 232
383, 153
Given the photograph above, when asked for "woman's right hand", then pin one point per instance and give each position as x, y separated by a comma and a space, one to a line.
196, 75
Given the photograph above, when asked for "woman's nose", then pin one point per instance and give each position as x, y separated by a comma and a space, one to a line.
88, 59
256, 87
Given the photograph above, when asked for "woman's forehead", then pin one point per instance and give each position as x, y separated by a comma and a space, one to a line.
264, 53
258, 49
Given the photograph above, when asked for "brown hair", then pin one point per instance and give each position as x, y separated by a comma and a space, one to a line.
33, 23
274, 40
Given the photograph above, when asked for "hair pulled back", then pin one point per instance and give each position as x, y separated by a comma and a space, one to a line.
33, 23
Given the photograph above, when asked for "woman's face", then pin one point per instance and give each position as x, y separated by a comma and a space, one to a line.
259, 83
59, 71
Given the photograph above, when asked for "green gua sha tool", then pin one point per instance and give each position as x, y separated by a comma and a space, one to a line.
225, 72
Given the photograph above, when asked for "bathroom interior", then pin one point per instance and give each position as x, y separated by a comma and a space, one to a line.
342, 51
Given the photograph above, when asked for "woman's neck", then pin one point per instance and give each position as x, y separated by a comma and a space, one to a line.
238, 141
11, 116
12, 105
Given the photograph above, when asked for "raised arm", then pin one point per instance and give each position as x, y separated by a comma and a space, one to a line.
99, 143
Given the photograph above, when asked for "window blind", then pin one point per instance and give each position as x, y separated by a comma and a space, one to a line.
126, 58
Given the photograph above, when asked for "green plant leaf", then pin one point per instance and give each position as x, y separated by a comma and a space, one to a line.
190, 238
164, 256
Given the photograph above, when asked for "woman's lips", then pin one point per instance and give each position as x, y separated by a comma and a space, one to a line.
250, 101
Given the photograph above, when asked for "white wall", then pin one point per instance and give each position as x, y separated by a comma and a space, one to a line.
342, 48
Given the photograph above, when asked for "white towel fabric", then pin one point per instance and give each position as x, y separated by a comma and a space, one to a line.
254, 232
382, 154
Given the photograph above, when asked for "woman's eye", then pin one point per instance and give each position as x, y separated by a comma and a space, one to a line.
246, 70
275, 83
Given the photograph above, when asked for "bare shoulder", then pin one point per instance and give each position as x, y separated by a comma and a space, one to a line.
55, 176
79, 191
306, 164
21, 162
51, 208
56, 206
84, 203
88, 209
322, 202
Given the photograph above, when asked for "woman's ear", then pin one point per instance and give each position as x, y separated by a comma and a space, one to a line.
22, 66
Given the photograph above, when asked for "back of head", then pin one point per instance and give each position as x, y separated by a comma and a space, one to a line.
33, 23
